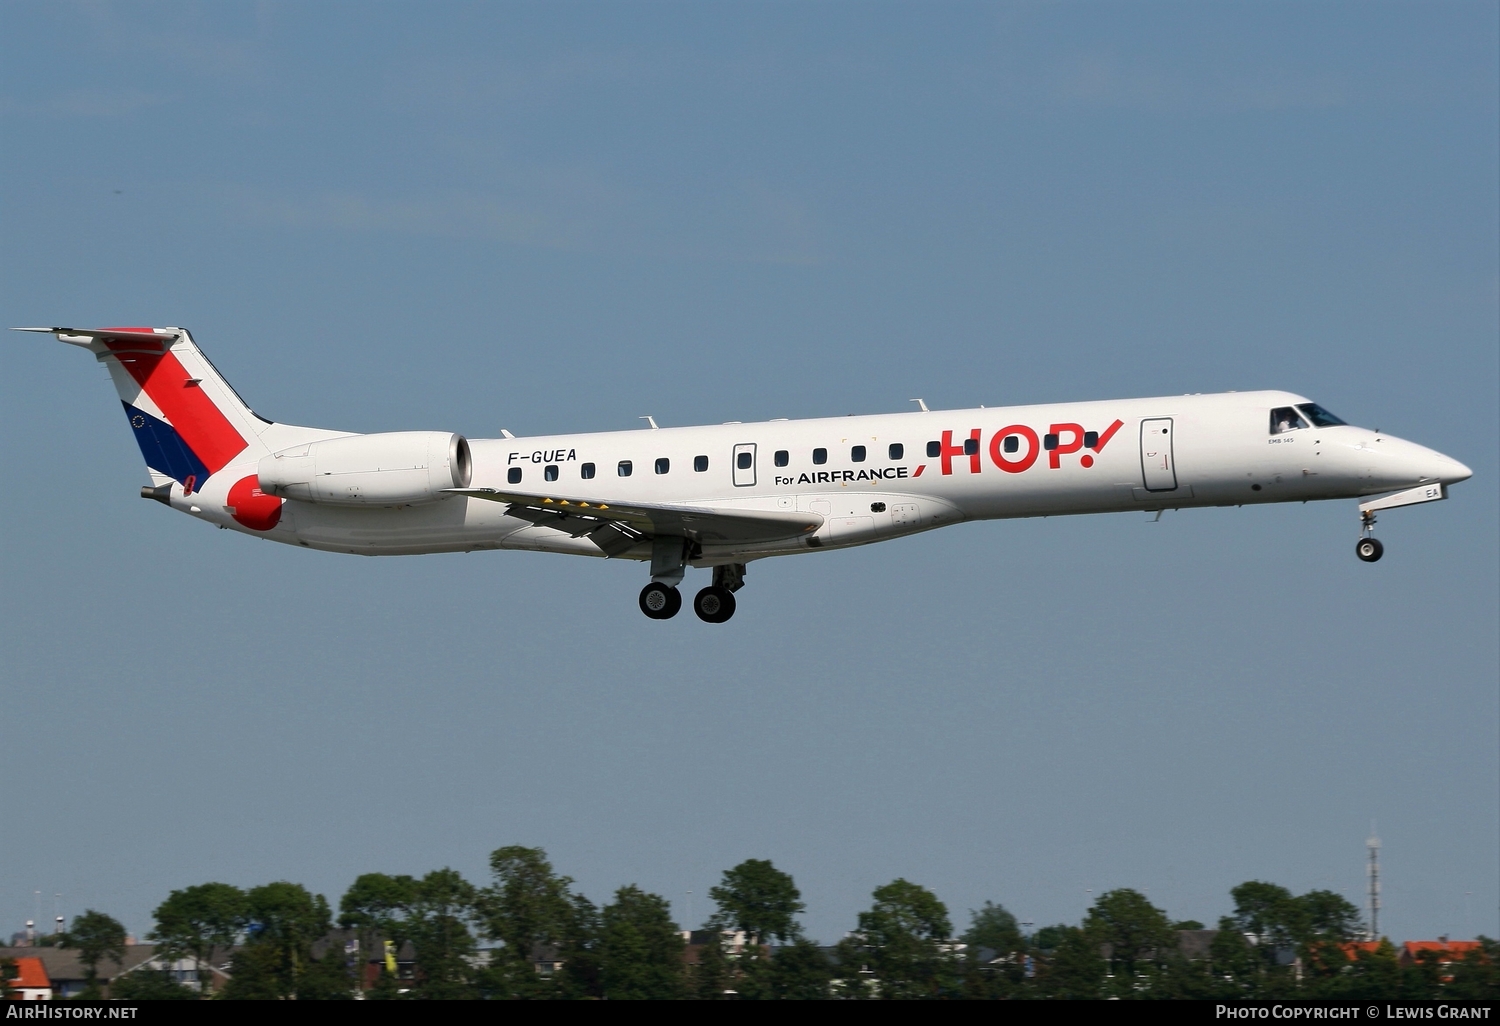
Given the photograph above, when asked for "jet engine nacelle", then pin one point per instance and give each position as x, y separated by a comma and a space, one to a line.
394, 468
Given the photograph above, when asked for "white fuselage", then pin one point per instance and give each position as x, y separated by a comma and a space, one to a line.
1141, 454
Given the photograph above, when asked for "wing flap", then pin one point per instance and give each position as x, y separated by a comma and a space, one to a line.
603, 521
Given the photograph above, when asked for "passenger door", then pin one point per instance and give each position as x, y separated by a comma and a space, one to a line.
744, 465
1158, 472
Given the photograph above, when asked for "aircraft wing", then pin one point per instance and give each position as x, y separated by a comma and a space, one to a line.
616, 526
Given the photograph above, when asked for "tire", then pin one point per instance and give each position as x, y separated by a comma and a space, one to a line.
714, 604
1369, 549
660, 602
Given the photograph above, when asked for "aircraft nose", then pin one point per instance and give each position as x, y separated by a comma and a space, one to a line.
1449, 471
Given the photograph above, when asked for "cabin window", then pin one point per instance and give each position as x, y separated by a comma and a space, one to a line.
586, 471
1286, 418
1049, 442
1012, 443
549, 472
624, 468
877, 507
783, 457
1091, 438
700, 463
857, 454
897, 450
663, 465
971, 446
820, 456
1319, 416
934, 450
744, 460
513, 475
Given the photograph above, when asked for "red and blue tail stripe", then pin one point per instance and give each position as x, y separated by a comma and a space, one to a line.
165, 451
192, 439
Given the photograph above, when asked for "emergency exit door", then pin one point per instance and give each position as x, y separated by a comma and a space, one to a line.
744, 465
1158, 472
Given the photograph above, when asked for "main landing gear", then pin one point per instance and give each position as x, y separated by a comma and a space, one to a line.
714, 604
661, 600
1368, 548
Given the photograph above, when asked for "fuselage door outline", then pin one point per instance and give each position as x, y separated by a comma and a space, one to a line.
744, 465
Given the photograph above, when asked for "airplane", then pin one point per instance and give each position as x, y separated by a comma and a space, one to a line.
718, 497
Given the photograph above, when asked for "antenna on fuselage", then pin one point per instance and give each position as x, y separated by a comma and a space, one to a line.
651, 421
921, 404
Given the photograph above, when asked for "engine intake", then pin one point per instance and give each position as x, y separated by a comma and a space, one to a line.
394, 468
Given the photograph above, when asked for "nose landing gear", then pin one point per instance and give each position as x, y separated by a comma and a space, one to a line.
1368, 548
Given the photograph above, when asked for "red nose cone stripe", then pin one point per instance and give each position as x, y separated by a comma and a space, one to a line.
253, 507
206, 431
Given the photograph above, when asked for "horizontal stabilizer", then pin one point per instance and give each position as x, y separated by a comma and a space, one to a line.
123, 334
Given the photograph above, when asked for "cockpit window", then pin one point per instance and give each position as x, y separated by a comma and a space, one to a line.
1319, 416
1286, 418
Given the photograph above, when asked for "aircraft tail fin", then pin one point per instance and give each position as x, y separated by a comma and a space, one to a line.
189, 422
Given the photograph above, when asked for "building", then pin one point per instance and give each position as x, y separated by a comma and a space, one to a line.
30, 982
67, 974
1442, 951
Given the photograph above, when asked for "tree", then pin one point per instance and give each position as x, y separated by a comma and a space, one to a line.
1369, 976
1073, 968
328, 978
9, 970
1324, 917
194, 921
256, 974
1049, 938
711, 975
1236, 961
96, 936
1477, 976
759, 899
901, 939
1266, 912
993, 933
150, 985
581, 951
994, 928
1134, 929
640, 950
438, 926
529, 909
377, 902
282, 919
800, 972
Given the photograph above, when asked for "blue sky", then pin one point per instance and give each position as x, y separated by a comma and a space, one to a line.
558, 217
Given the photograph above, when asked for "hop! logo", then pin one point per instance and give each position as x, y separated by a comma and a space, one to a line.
1016, 447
